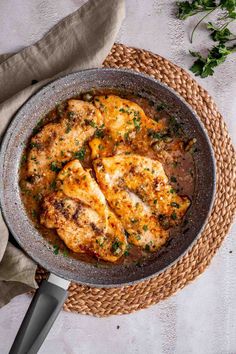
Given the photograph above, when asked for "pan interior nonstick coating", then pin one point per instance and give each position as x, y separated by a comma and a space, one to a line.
21, 128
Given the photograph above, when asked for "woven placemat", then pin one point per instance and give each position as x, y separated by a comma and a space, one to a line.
104, 302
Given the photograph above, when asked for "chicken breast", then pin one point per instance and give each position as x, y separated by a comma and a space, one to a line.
126, 124
138, 191
81, 216
59, 142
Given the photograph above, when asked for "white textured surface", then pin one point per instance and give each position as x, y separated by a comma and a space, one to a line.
200, 319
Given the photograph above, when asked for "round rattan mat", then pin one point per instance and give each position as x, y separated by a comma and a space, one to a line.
104, 302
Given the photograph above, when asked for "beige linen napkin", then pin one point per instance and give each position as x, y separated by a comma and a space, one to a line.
82, 40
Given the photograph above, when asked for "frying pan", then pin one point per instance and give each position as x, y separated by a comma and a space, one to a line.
51, 295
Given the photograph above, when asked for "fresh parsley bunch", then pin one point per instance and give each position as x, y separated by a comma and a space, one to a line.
204, 66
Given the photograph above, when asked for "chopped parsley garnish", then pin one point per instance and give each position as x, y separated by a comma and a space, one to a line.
172, 190
26, 191
80, 154
65, 253
60, 109
91, 123
37, 197
174, 126
155, 201
53, 185
101, 147
175, 164
137, 123
68, 129
54, 167
126, 253
34, 213
38, 126
145, 227
70, 115
99, 133
173, 216
156, 135
55, 249
23, 159
173, 179
160, 107
164, 222
126, 136
147, 248
34, 145
100, 243
127, 233
138, 237
115, 248
175, 205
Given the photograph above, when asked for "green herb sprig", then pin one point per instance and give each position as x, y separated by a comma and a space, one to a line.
204, 65
220, 34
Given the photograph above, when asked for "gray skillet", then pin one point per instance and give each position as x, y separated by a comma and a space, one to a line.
51, 295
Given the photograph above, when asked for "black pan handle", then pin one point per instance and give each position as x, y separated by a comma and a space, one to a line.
43, 311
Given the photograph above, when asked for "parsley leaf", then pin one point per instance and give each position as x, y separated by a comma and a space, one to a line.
230, 6
115, 248
80, 154
204, 66
156, 135
54, 166
56, 249
220, 34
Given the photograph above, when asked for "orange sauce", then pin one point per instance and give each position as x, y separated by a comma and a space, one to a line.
175, 153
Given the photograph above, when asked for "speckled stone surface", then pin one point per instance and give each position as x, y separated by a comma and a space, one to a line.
201, 318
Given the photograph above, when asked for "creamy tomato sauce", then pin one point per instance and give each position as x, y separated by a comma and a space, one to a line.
174, 150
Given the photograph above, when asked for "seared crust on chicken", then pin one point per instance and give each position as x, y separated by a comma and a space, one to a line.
59, 142
138, 191
81, 216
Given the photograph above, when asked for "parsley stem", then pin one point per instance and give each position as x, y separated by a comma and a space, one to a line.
226, 24
232, 39
193, 31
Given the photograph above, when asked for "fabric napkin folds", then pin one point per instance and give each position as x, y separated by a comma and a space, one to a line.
82, 40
